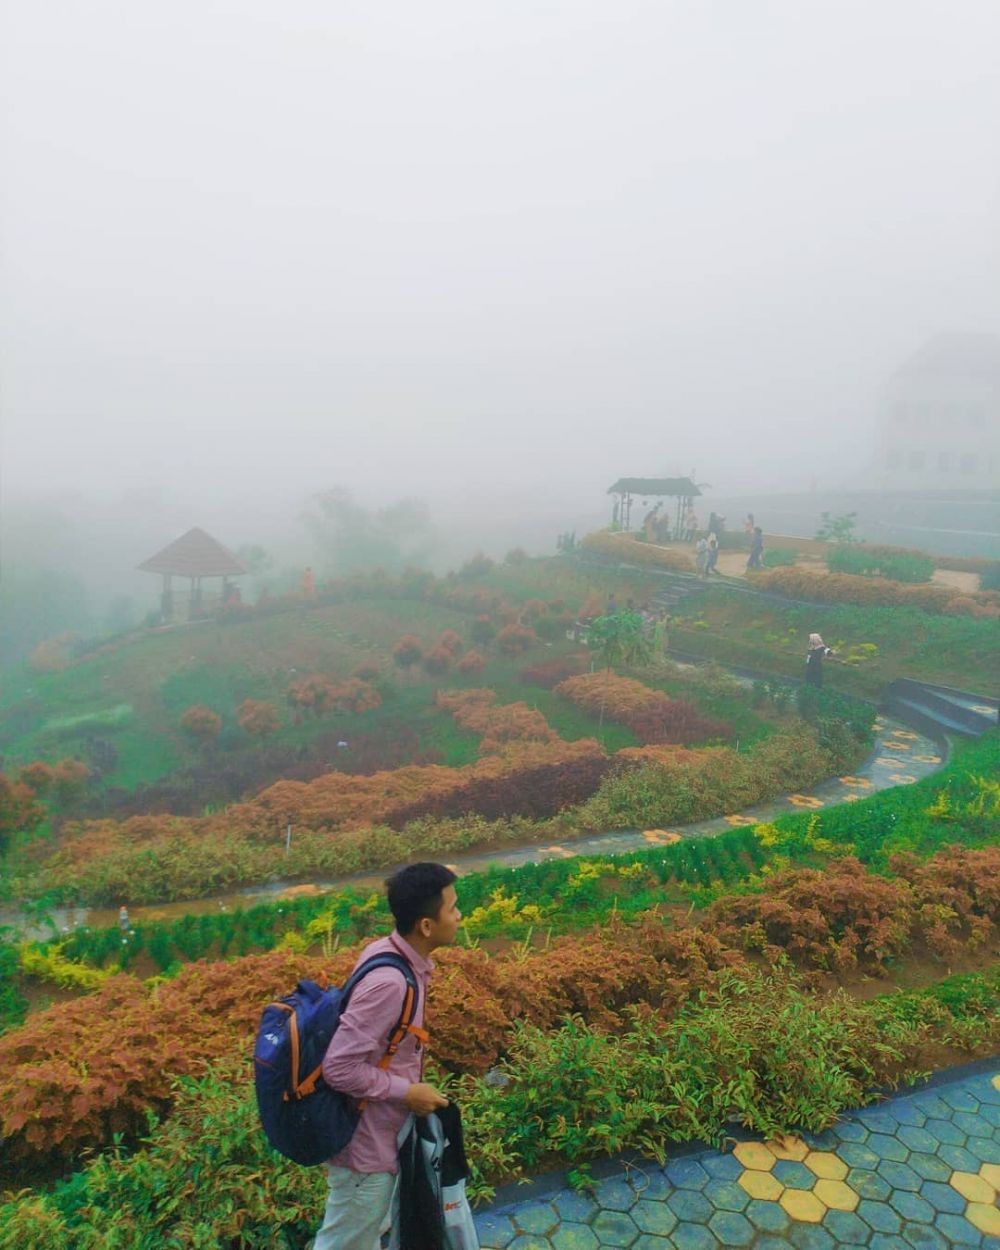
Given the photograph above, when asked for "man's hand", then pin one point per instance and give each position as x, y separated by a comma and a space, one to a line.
422, 1099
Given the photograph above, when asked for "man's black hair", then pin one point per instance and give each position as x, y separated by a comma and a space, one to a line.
415, 892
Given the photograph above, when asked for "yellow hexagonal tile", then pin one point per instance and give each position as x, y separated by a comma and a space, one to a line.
996, 1082
789, 1147
825, 1164
974, 1188
761, 1185
755, 1155
802, 1204
991, 1172
836, 1194
985, 1217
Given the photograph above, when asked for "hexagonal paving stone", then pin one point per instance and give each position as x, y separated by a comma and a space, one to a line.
959, 1098
912, 1206
968, 1122
888, 1241
722, 1167
615, 1194
761, 1185
826, 1140
958, 1157
881, 1217
536, 1217
924, 1237
495, 1231
653, 1217
973, 1187
983, 1148
767, 1216
574, 1237
731, 1228
929, 1167
942, 1197
826, 1165
869, 1184
810, 1237
887, 1147
791, 1147
931, 1105
686, 1174
795, 1175
917, 1138
846, 1227
906, 1111
652, 1185
688, 1205
991, 1172
650, 1241
529, 1241
900, 1175
985, 1217
575, 1207
726, 1195
856, 1155
958, 1229
771, 1243
615, 1228
802, 1206
850, 1130
755, 1155
694, 1237
836, 1195
945, 1132
879, 1120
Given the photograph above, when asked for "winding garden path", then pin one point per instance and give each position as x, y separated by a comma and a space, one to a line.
920, 1171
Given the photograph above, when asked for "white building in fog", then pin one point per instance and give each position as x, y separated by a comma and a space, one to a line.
941, 417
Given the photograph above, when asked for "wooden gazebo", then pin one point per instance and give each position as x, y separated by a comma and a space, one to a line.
195, 555
627, 489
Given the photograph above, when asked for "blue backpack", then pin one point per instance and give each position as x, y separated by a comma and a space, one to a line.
303, 1118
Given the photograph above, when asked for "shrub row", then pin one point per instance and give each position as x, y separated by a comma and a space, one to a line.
847, 588
627, 548
650, 714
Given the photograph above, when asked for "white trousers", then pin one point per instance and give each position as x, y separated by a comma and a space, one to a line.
357, 1210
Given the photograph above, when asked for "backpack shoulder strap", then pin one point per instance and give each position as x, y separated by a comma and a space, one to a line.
411, 998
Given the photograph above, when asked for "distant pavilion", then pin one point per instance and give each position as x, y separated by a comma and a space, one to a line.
627, 488
195, 555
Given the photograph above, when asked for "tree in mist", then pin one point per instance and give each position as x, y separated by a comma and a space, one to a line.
350, 536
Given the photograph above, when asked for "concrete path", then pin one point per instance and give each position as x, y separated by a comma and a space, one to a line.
918, 1172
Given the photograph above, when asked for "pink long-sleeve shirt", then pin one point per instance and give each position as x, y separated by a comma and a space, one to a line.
352, 1058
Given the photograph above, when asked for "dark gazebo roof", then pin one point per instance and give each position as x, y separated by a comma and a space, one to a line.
654, 486
194, 554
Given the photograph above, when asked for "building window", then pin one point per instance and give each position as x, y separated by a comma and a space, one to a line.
915, 460
944, 461
968, 462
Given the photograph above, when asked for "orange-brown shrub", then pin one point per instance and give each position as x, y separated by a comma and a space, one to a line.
880, 591
648, 713
201, 723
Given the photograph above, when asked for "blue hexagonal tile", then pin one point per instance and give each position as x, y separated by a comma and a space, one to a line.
984, 1148
899, 1175
810, 1237
924, 1237
856, 1155
887, 1147
827, 1140
615, 1194
654, 1186
723, 1167
615, 1228
917, 1138
959, 1098
912, 1206
929, 1167
869, 1184
794, 1175
878, 1120
945, 1132
959, 1231
769, 1217
850, 1130
931, 1105
942, 1197
495, 1231
990, 1112
888, 1241
881, 1217
650, 1241
536, 1217
653, 1217
982, 1087
846, 1228
694, 1237
577, 1207
689, 1205
770, 1243
731, 1228
574, 1237
726, 1196
907, 1111
530, 1241
969, 1122
686, 1174
958, 1158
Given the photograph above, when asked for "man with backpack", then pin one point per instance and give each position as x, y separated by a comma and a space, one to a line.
361, 1178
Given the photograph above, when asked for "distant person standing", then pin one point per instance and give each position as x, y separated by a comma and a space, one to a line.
748, 525
713, 555
124, 924
701, 556
756, 558
817, 653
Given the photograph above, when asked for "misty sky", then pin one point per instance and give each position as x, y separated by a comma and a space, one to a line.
256, 246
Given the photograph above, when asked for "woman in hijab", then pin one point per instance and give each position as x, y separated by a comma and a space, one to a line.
817, 653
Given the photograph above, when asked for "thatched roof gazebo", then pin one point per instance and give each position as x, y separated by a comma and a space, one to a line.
194, 555
627, 488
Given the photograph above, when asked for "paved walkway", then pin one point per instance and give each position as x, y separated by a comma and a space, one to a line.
918, 1172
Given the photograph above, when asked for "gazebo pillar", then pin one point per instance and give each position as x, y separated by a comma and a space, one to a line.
167, 599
